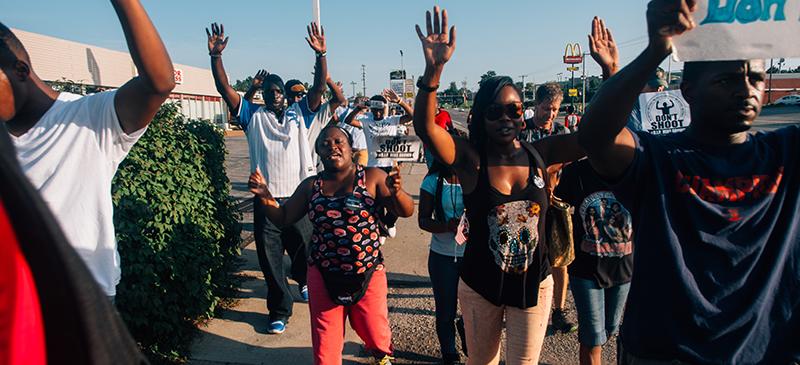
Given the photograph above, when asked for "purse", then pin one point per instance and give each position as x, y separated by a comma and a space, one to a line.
558, 221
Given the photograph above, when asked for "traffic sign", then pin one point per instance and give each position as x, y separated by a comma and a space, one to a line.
573, 68
573, 92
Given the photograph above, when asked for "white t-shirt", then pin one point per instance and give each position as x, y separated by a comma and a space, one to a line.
71, 156
389, 126
359, 139
283, 150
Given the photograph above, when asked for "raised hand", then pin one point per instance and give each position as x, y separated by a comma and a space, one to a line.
394, 182
258, 185
316, 38
391, 96
437, 45
258, 79
666, 19
602, 46
216, 39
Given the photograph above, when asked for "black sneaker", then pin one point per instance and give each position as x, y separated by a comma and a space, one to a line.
561, 323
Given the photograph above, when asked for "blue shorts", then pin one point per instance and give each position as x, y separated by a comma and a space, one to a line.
599, 310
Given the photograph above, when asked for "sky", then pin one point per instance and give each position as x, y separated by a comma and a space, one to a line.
511, 37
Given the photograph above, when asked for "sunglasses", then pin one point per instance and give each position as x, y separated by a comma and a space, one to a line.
511, 110
298, 95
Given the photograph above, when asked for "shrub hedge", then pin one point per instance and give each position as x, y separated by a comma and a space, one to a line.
178, 233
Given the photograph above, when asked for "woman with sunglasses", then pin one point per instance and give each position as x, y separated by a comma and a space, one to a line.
506, 272
346, 276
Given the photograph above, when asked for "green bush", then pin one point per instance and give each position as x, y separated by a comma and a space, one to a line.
178, 233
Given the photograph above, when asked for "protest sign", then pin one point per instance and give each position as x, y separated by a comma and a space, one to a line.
398, 148
740, 30
664, 112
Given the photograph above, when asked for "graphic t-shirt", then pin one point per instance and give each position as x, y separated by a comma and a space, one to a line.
389, 126
71, 156
718, 249
452, 207
602, 227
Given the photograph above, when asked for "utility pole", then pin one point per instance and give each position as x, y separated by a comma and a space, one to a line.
401, 60
771, 71
583, 78
353, 83
523, 90
364, 79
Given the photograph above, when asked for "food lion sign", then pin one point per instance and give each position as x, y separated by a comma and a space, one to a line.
398, 149
664, 112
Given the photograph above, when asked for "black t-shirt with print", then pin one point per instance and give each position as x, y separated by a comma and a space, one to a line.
505, 259
602, 227
717, 253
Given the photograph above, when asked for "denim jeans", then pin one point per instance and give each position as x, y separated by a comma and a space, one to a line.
271, 242
444, 280
599, 310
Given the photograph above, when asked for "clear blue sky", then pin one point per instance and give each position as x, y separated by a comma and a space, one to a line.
512, 37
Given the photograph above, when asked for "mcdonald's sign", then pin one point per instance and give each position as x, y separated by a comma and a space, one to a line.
573, 54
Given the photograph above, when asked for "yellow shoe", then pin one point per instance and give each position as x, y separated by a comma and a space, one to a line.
386, 360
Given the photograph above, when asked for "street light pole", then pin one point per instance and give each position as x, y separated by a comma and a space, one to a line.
771, 71
523, 90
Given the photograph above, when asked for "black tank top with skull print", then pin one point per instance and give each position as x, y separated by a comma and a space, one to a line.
506, 257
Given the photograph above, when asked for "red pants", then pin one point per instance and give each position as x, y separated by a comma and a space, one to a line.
369, 318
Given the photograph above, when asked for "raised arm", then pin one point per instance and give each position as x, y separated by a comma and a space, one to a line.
338, 98
280, 215
438, 47
316, 40
217, 41
390, 192
140, 98
351, 118
257, 84
603, 48
392, 96
608, 144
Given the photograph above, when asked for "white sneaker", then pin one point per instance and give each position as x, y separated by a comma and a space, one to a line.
382, 240
392, 231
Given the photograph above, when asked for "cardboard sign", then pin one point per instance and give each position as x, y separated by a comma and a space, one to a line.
664, 112
398, 149
740, 30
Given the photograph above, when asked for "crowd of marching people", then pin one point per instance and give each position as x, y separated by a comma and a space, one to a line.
521, 208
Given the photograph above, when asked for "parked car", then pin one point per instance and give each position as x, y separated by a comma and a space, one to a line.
788, 100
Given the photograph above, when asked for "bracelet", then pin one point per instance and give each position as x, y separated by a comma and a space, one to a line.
215, 55
427, 88
322, 54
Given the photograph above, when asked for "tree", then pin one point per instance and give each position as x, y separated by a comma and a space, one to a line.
489, 74
243, 85
452, 90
